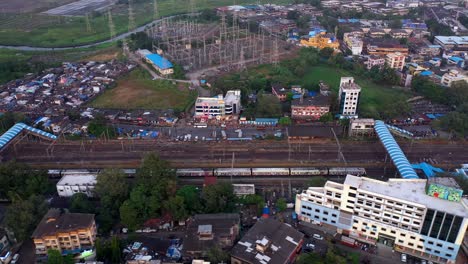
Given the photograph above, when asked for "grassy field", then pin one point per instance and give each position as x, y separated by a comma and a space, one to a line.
374, 97
54, 31
138, 91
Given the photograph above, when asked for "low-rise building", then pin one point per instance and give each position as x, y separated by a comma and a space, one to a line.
374, 60
320, 39
280, 92
450, 42
79, 183
66, 232
268, 241
383, 48
400, 33
324, 88
395, 60
424, 218
310, 108
205, 231
361, 127
161, 64
451, 77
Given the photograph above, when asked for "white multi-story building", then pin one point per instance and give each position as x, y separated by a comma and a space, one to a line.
452, 76
354, 43
348, 97
79, 183
219, 106
413, 216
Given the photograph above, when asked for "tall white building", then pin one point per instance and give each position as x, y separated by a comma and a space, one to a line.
418, 217
348, 97
79, 183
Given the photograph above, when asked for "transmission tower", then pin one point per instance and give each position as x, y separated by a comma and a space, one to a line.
192, 8
275, 56
156, 11
88, 24
131, 16
111, 25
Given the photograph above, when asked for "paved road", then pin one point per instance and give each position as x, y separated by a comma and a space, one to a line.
119, 37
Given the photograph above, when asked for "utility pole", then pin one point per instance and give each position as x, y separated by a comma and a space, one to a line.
131, 16
340, 154
155, 9
88, 24
232, 163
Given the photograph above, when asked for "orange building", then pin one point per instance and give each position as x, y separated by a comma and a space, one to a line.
321, 39
65, 232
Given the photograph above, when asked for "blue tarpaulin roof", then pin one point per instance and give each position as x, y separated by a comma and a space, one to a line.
426, 73
395, 152
17, 128
456, 59
159, 61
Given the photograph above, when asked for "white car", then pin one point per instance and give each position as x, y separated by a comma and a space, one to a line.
15, 259
318, 237
311, 246
403, 258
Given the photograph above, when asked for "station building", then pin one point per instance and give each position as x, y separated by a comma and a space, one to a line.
76, 183
419, 217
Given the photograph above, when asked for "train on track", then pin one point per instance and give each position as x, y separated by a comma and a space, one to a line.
237, 172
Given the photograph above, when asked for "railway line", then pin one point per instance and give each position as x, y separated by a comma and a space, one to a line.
97, 154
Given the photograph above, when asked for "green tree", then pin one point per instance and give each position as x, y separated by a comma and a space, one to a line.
268, 106
115, 249
285, 121
19, 180
281, 204
326, 52
22, 216
130, 216
54, 257
79, 203
176, 206
219, 198
317, 181
328, 117
395, 23
98, 127
217, 255
112, 189
310, 258
191, 197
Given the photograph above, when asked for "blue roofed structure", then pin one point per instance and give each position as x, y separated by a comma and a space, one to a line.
15, 130
396, 154
159, 61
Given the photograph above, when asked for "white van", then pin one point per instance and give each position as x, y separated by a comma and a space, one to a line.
318, 237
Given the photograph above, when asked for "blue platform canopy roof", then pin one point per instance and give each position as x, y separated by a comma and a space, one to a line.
16, 130
159, 61
395, 152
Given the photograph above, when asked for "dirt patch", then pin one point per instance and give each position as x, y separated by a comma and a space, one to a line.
107, 56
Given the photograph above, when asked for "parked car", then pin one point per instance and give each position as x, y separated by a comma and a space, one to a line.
15, 258
318, 237
403, 258
312, 246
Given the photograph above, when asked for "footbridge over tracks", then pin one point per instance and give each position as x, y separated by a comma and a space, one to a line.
20, 129
396, 154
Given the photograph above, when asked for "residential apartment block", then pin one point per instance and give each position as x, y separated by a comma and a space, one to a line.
348, 96
395, 60
66, 232
452, 76
418, 217
361, 127
374, 60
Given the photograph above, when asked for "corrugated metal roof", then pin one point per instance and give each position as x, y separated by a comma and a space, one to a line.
395, 152
160, 61
17, 128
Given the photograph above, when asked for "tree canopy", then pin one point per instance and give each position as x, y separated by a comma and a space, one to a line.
268, 106
79, 203
19, 180
219, 198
